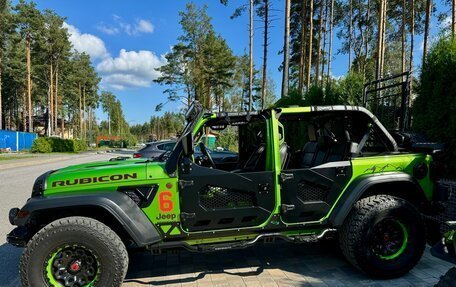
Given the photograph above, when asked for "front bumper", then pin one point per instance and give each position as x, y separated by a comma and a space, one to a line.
19, 236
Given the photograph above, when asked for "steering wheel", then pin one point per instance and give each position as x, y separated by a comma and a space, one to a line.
207, 155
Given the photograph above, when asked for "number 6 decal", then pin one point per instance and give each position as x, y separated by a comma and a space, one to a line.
165, 202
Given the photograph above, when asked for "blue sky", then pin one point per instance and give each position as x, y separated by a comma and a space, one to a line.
127, 40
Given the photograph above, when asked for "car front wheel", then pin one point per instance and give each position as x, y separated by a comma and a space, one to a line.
74, 251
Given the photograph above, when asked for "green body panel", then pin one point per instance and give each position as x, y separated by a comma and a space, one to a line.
98, 176
393, 163
164, 210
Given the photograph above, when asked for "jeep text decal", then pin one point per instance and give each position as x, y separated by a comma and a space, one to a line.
86, 180
165, 205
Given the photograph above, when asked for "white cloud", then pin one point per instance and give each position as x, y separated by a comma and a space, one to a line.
132, 29
109, 30
144, 26
130, 69
88, 43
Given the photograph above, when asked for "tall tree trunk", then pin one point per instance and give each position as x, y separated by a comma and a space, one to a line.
350, 32
331, 26
382, 65
286, 50
453, 18
403, 35
412, 40
366, 47
320, 32
90, 126
29, 86
109, 124
56, 99
251, 56
362, 35
1, 108
265, 53
325, 30
379, 40
302, 51
84, 110
309, 57
24, 110
80, 112
62, 124
426, 29
51, 97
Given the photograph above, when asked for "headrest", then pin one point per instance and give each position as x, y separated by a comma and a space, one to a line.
311, 132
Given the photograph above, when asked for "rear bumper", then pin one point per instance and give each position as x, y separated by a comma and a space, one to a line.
444, 252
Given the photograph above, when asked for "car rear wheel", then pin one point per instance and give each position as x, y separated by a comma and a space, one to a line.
383, 236
74, 251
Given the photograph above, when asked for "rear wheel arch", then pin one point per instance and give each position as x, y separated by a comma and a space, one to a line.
404, 189
400, 185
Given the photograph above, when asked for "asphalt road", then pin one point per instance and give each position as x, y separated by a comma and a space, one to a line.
263, 265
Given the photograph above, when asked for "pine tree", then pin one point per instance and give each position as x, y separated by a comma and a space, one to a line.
30, 22
309, 57
331, 27
5, 31
286, 50
426, 29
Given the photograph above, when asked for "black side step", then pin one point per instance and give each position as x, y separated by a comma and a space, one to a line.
267, 237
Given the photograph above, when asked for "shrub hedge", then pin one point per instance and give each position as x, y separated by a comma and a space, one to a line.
47, 145
434, 110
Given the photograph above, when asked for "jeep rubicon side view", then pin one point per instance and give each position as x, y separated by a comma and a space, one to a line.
303, 174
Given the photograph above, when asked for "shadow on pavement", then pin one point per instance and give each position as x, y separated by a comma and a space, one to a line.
9, 260
279, 264
269, 265
260, 262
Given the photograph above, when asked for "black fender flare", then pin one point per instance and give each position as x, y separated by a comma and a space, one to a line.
362, 184
120, 206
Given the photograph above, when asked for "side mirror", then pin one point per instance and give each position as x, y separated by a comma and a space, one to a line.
187, 144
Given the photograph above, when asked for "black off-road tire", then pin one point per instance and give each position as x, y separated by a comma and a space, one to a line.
357, 236
447, 280
110, 251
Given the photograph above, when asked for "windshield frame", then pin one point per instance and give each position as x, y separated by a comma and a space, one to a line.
193, 116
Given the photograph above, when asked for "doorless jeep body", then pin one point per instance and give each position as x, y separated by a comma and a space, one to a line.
298, 193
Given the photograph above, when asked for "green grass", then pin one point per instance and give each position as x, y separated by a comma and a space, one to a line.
14, 157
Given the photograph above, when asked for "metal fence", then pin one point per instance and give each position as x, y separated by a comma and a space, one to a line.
448, 188
16, 141
389, 100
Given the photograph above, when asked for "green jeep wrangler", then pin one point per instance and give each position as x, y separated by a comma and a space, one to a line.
302, 174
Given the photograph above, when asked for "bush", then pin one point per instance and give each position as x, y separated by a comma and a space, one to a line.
41, 145
78, 145
434, 110
47, 145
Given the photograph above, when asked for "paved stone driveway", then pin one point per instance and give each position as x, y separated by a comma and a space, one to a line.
278, 264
